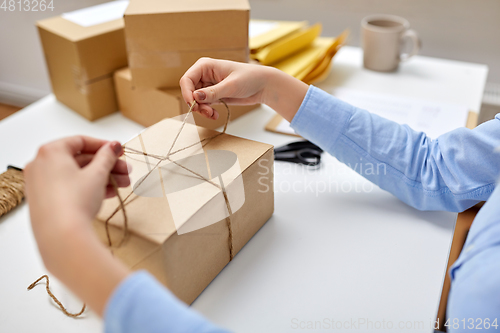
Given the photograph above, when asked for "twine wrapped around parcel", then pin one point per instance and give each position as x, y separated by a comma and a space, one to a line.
123, 202
131, 151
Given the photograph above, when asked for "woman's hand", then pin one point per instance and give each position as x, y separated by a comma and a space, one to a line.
210, 80
70, 177
65, 186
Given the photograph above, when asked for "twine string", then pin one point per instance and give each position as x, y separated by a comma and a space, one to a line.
129, 152
61, 307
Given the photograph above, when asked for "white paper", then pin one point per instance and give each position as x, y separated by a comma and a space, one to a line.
102, 13
432, 118
284, 127
257, 28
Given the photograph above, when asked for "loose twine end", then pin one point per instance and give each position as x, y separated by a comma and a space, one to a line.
54, 298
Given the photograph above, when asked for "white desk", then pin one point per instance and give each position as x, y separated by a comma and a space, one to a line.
343, 254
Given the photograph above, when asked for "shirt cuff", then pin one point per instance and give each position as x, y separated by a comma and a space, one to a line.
141, 304
322, 117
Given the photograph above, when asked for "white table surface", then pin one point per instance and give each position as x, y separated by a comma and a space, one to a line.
342, 254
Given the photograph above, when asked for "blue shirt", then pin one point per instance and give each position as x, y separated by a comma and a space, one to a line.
452, 173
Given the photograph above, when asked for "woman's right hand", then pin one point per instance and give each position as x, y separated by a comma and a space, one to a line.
210, 80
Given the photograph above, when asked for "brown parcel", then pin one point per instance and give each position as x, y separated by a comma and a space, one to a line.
164, 38
149, 106
182, 257
81, 61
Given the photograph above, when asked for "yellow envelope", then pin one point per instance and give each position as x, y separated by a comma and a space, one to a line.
297, 64
319, 76
278, 30
320, 72
287, 45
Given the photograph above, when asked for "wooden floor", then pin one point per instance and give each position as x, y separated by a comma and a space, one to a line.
7, 110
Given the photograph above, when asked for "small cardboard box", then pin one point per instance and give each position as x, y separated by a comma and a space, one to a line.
149, 106
81, 61
180, 226
165, 38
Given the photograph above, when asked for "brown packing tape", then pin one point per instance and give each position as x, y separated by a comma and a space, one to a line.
92, 101
83, 84
173, 59
101, 99
164, 69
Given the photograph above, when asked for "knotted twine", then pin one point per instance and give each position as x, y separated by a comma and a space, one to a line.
131, 151
124, 202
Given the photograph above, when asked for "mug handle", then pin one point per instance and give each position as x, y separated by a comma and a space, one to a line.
410, 34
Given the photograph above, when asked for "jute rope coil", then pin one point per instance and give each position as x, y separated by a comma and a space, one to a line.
11, 189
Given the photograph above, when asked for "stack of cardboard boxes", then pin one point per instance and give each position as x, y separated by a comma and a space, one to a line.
159, 40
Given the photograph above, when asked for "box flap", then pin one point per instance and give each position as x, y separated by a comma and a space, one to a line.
175, 6
98, 14
74, 32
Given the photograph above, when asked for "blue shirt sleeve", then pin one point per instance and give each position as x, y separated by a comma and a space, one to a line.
452, 173
141, 304
475, 277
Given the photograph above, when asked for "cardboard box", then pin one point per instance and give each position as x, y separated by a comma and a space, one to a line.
165, 38
178, 223
149, 106
81, 61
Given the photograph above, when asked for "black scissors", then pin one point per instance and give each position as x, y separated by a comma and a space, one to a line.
300, 152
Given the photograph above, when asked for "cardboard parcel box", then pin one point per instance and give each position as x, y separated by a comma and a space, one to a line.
82, 52
165, 38
149, 106
181, 228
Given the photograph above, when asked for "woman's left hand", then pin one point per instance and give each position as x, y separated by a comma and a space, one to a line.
65, 186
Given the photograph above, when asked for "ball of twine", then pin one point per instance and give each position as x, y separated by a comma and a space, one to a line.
11, 190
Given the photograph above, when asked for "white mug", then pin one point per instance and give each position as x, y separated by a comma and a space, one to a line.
383, 38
